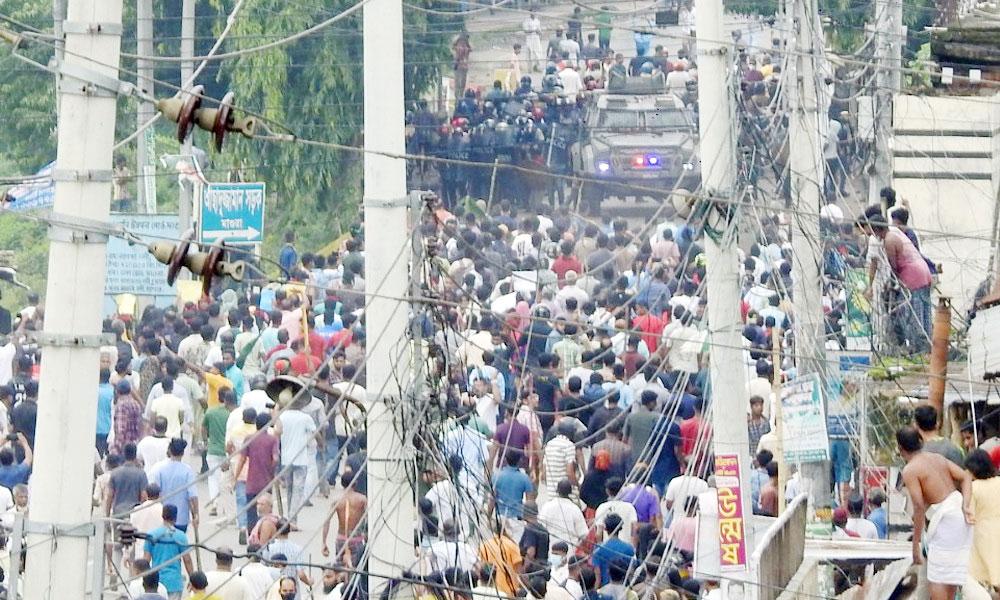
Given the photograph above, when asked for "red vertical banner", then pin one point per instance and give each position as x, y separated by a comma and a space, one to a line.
732, 530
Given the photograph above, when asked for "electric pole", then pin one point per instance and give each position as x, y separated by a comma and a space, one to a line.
889, 40
146, 186
717, 128
185, 204
62, 483
58, 16
391, 511
807, 171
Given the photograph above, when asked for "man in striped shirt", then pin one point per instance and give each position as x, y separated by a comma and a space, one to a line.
561, 458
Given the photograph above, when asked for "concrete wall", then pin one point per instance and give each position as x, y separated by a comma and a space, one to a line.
946, 163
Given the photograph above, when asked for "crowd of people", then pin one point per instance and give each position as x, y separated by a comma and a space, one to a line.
575, 448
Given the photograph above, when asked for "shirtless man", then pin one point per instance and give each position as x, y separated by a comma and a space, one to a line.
267, 522
350, 510
941, 493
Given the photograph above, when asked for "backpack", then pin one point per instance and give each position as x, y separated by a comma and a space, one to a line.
602, 460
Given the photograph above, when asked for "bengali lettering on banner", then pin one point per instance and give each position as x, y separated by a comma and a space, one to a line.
732, 533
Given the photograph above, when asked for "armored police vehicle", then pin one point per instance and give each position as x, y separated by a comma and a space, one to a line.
638, 139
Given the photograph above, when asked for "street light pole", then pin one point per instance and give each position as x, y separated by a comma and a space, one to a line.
62, 482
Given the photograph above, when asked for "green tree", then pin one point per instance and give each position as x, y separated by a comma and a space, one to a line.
27, 94
314, 88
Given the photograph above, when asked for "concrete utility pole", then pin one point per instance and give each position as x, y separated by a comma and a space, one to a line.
391, 511
146, 186
58, 16
888, 78
807, 169
717, 127
184, 208
64, 448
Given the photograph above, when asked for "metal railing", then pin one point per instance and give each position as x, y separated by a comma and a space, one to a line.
780, 550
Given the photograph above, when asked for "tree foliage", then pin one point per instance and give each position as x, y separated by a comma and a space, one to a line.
313, 87
27, 95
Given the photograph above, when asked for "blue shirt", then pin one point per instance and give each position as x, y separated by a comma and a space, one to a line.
610, 551
666, 437
235, 375
177, 487
879, 517
758, 479
14, 474
105, 396
511, 484
165, 545
288, 257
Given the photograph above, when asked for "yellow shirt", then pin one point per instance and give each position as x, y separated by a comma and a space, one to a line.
505, 556
215, 383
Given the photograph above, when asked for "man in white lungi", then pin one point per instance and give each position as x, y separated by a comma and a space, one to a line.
941, 494
532, 28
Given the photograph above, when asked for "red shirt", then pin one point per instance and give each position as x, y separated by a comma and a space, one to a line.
317, 344
277, 348
696, 434
304, 364
689, 434
651, 327
631, 360
562, 264
340, 340
995, 456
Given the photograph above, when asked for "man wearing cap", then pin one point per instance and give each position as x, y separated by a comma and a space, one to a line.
840, 531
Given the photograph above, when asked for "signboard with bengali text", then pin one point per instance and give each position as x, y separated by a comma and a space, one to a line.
232, 212
131, 268
732, 523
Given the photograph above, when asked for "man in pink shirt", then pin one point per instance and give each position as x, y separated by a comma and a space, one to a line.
911, 271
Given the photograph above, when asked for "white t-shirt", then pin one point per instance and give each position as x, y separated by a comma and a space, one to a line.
572, 84
488, 410
227, 585
564, 520
680, 488
257, 400
135, 590
7, 354
297, 429
171, 408
832, 212
863, 527
145, 518
355, 417
445, 554
151, 450
685, 344
522, 246
259, 578
624, 510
